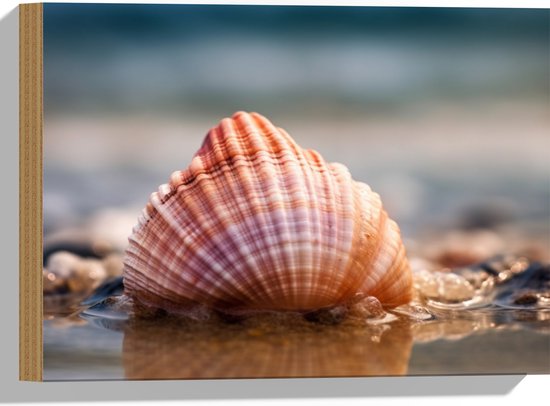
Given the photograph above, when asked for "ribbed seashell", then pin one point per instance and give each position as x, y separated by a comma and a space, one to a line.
258, 223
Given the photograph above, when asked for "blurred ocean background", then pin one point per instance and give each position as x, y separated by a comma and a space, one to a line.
444, 112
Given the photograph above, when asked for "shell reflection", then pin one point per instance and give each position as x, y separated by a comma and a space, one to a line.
269, 346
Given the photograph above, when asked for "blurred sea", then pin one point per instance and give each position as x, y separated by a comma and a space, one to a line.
176, 59
444, 112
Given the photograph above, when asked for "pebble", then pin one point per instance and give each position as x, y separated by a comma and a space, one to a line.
66, 272
443, 286
372, 307
370, 310
527, 298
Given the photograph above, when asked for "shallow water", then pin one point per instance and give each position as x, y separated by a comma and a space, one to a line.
170, 351
506, 332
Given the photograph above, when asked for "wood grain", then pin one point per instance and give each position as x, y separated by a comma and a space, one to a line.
30, 191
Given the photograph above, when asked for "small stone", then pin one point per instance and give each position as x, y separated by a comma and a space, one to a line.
77, 274
86, 276
443, 286
61, 264
370, 310
454, 288
425, 283
528, 298
369, 307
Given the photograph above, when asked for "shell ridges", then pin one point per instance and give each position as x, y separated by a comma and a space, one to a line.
256, 222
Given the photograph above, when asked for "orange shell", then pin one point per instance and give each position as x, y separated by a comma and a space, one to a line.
258, 223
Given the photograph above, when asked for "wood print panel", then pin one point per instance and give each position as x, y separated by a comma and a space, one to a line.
30, 192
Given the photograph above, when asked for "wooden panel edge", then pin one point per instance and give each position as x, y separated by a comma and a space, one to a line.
30, 191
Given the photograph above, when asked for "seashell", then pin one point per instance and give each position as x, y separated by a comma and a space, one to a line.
258, 223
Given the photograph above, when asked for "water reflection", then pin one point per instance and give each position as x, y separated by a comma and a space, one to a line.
506, 331
267, 346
